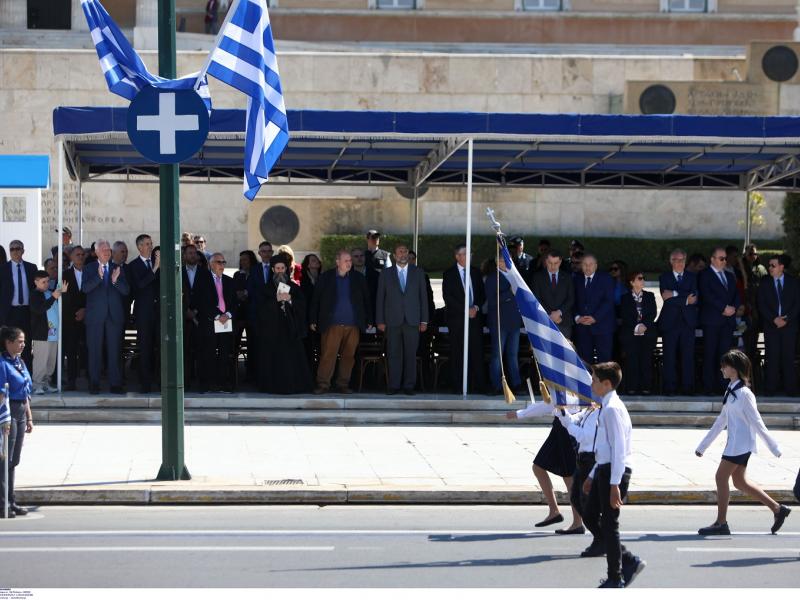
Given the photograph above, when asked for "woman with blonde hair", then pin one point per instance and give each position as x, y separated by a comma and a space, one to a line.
295, 270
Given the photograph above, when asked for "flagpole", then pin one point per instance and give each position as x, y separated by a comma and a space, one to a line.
207, 64
7, 404
467, 275
60, 261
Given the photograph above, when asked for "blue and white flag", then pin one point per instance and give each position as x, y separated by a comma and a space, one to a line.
245, 59
5, 416
124, 71
559, 364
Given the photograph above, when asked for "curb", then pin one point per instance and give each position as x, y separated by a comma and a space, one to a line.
177, 495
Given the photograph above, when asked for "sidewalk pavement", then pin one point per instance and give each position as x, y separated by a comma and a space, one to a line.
96, 464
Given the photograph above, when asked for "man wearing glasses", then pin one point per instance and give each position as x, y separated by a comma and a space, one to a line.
677, 323
216, 299
720, 299
779, 307
16, 283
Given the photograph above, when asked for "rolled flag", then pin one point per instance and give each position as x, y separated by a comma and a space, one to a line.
124, 71
560, 366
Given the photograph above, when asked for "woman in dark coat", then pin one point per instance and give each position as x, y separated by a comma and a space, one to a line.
282, 327
638, 335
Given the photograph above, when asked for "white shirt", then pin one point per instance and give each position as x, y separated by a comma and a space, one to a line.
78, 277
582, 427
744, 423
190, 274
613, 437
15, 271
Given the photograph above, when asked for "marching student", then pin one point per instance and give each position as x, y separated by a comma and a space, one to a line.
556, 456
583, 427
741, 417
607, 484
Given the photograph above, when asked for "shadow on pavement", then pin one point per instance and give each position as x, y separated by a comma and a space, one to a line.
491, 537
87, 483
756, 561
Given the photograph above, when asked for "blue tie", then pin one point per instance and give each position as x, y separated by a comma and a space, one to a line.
680, 277
403, 279
723, 279
105, 273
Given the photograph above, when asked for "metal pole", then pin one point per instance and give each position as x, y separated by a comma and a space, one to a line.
5, 451
467, 277
416, 222
60, 234
80, 211
748, 221
172, 451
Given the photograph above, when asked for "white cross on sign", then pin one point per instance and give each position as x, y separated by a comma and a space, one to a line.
167, 123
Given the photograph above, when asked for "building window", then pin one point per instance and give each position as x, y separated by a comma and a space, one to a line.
687, 6
541, 5
396, 4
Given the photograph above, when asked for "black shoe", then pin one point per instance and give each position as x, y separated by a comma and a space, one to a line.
11, 514
551, 521
408, 392
392, 392
715, 529
593, 549
630, 569
116, 389
611, 583
94, 390
19, 510
780, 517
576, 531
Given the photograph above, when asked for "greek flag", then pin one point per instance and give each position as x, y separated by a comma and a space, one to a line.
124, 71
559, 364
245, 59
5, 416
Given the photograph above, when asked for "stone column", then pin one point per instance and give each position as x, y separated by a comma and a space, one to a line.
797, 29
78, 19
145, 33
13, 14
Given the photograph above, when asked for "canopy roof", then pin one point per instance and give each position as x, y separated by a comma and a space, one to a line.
408, 149
24, 171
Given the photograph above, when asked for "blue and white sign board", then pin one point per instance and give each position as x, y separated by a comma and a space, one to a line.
167, 126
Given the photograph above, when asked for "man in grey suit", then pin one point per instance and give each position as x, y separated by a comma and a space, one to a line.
555, 291
401, 313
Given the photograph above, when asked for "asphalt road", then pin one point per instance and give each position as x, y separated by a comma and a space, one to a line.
387, 546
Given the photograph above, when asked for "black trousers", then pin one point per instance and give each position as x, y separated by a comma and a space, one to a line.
678, 341
216, 361
780, 345
401, 355
20, 316
74, 342
15, 439
638, 360
191, 345
716, 342
146, 336
577, 498
797, 487
600, 514
476, 375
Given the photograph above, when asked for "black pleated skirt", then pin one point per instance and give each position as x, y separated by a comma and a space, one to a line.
557, 455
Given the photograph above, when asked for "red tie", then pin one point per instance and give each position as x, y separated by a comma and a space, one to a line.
553, 280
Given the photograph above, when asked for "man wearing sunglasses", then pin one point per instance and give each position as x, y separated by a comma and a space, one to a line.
719, 301
16, 283
216, 299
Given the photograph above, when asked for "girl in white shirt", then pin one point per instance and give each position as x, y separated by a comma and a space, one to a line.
743, 421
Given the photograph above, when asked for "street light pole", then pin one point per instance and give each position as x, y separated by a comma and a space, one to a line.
172, 452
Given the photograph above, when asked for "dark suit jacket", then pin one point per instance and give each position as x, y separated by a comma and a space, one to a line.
256, 288
714, 298
395, 307
105, 302
7, 285
768, 302
205, 298
73, 300
378, 260
189, 293
627, 309
596, 301
510, 318
561, 298
323, 303
453, 293
675, 313
145, 291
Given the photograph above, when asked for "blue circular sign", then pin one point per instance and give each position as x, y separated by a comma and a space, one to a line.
167, 126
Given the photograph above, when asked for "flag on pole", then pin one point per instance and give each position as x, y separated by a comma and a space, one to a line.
244, 58
560, 366
124, 71
5, 416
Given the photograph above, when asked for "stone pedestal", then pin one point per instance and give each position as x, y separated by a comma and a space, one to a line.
78, 18
13, 14
145, 33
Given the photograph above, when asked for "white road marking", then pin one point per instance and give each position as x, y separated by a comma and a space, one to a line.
172, 549
747, 550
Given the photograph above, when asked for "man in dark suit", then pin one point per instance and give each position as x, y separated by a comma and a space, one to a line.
359, 256
401, 313
719, 300
595, 321
677, 323
524, 261
260, 276
555, 291
106, 288
340, 310
215, 301
16, 284
191, 273
453, 290
376, 259
145, 272
73, 317
779, 307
